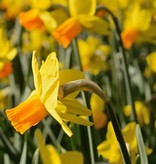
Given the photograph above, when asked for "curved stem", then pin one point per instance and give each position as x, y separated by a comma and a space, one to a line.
78, 60
125, 65
87, 85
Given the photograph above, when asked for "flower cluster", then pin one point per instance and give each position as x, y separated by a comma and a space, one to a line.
81, 72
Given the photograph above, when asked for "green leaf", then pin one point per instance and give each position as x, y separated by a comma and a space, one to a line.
24, 153
141, 146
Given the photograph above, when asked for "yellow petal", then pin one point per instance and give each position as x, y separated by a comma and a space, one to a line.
36, 73
151, 60
75, 119
78, 7
72, 157
75, 107
60, 121
50, 84
95, 24
11, 54
96, 103
67, 75
48, 20
48, 153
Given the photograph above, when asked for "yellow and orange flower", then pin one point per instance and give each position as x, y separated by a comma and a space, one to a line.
7, 54
43, 100
31, 19
49, 154
82, 17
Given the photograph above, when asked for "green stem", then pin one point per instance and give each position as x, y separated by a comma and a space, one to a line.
78, 60
125, 65
87, 85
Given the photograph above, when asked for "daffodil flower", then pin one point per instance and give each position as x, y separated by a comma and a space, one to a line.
82, 17
142, 112
43, 100
99, 116
49, 154
151, 60
109, 148
11, 7
93, 57
31, 19
137, 21
7, 54
37, 18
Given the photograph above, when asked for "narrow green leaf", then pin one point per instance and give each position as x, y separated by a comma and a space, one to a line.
35, 159
141, 146
24, 153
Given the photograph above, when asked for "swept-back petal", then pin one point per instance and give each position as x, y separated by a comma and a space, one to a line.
49, 73
78, 7
95, 24
75, 107
67, 75
60, 121
36, 74
75, 119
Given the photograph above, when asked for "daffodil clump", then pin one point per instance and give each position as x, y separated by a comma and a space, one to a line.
77, 81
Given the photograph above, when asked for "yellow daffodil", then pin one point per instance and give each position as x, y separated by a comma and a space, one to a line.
49, 154
43, 99
151, 60
98, 114
31, 19
7, 54
137, 21
30, 42
38, 18
143, 113
12, 7
82, 17
93, 57
110, 150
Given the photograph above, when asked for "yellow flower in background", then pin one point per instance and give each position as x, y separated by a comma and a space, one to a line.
11, 7
93, 57
30, 42
31, 19
99, 116
49, 154
82, 17
137, 21
45, 4
143, 113
38, 18
110, 150
44, 99
7, 54
151, 60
